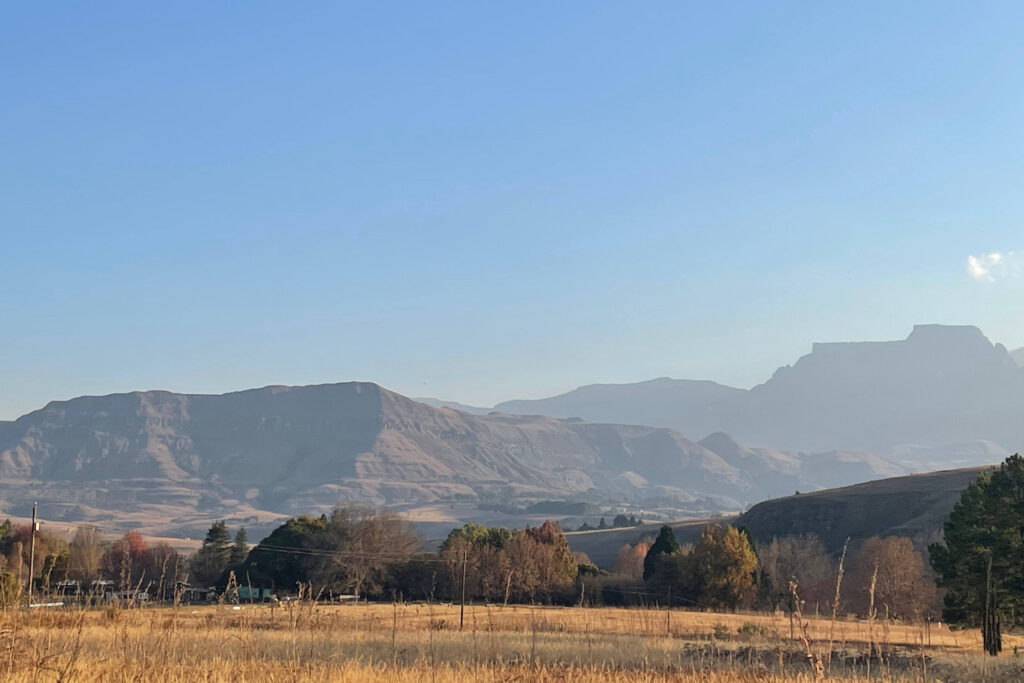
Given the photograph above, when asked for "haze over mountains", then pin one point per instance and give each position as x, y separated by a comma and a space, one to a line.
289, 450
845, 413
943, 387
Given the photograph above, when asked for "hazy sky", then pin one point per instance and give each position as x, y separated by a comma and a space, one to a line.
486, 201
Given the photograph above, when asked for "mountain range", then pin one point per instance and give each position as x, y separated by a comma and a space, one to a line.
941, 385
287, 450
845, 413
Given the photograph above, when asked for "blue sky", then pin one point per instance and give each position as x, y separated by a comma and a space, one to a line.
487, 201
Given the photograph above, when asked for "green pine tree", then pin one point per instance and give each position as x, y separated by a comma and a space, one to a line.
239, 549
664, 546
211, 560
979, 562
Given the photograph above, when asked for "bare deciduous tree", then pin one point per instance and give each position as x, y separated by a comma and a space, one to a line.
86, 549
901, 586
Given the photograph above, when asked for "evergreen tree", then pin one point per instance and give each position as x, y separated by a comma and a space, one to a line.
266, 565
239, 549
211, 560
602, 524
664, 546
979, 563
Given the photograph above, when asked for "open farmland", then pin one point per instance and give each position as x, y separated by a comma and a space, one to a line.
417, 642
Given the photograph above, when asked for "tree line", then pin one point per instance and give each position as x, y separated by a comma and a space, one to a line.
362, 552
726, 569
974, 577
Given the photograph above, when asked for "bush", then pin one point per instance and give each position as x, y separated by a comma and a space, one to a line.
10, 590
751, 630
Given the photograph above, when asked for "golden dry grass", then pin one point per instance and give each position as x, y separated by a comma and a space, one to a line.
419, 643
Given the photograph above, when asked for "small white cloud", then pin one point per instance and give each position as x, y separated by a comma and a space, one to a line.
996, 265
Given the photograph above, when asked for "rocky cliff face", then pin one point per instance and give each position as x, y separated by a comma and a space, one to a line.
940, 385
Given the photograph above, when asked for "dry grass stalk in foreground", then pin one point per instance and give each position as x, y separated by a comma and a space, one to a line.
421, 642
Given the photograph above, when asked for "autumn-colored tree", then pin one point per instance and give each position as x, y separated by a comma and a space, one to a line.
720, 568
541, 562
15, 546
556, 567
125, 561
629, 561
532, 564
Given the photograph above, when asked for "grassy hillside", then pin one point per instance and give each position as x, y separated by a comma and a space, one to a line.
914, 506
907, 506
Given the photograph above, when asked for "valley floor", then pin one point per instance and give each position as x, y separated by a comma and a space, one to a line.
419, 642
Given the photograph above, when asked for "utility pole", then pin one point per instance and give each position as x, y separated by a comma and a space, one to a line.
32, 554
462, 605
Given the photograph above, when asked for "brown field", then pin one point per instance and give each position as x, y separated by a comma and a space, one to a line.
418, 642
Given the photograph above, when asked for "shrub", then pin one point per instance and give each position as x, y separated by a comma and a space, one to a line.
10, 590
751, 630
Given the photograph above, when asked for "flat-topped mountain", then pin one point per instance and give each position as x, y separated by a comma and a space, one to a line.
941, 385
299, 449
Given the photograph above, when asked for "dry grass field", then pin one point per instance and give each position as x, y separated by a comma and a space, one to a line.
420, 643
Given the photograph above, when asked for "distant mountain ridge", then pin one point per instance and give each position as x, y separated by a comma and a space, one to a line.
1018, 356
438, 403
661, 402
941, 385
286, 450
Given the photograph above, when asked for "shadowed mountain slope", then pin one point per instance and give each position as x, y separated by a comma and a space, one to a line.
914, 506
